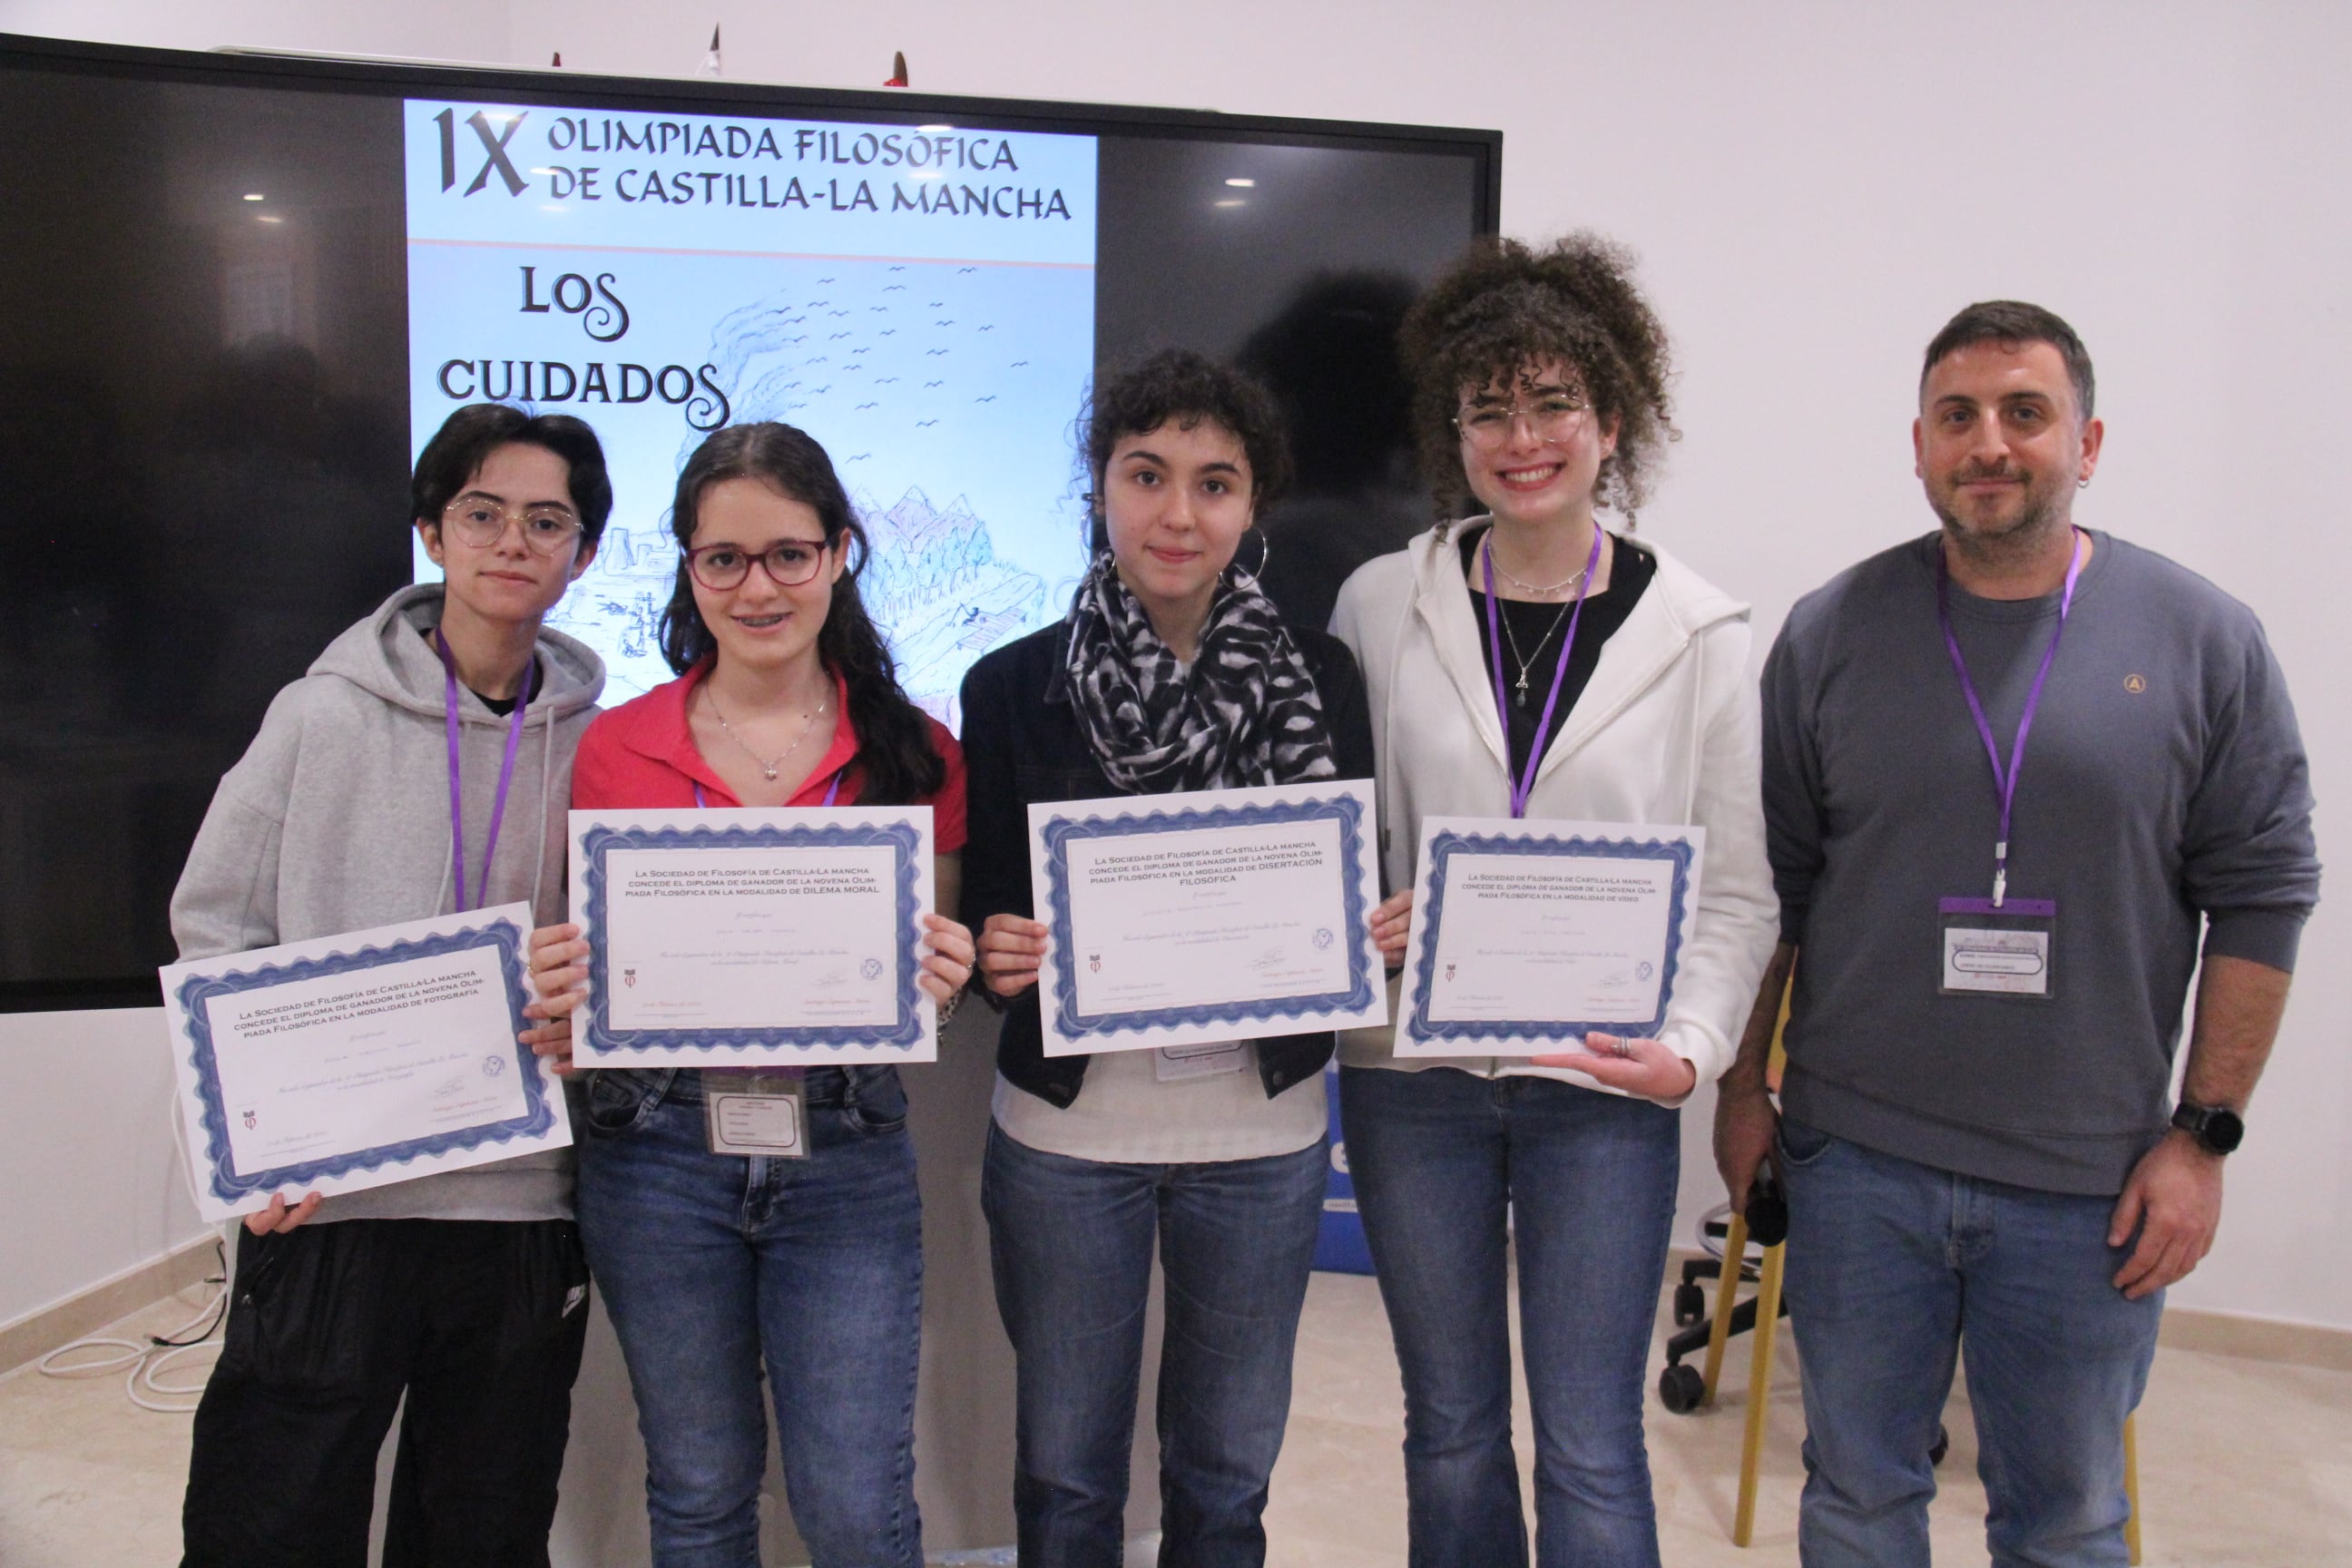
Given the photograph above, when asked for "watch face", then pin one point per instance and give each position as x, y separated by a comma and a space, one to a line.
2223, 1131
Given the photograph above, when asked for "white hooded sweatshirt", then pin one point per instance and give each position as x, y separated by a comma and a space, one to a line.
1665, 732
337, 819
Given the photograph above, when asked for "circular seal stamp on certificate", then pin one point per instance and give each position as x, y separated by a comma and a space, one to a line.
493, 1066
871, 969
1322, 936
1644, 969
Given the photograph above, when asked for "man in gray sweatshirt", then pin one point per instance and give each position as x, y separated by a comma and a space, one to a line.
423, 765
2013, 772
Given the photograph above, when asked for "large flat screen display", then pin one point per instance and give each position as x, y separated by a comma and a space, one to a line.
238, 294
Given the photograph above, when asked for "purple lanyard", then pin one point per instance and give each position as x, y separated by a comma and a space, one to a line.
832, 792
2004, 781
1526, 784
456, 791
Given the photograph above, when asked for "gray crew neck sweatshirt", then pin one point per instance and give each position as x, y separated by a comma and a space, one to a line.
2164, 787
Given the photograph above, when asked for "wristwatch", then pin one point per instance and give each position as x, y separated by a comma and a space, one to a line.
2217, 1129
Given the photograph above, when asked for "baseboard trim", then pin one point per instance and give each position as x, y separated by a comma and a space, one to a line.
2210, 1332
2257, 1338
37, 1333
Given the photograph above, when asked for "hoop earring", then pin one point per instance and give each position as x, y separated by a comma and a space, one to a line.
1265, 554
2083, 484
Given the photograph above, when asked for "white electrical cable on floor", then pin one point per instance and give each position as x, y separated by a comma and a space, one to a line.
162, 1351
144, 1362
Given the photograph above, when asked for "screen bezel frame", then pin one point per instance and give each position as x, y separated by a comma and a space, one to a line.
462, 81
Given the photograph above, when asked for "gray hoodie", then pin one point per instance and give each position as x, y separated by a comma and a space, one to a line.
337, 819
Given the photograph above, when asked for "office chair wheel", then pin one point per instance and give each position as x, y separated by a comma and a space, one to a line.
1681, 1389
1942, 1446
1690, 1304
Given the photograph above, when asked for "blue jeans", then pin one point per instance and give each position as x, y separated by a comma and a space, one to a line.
1071, 1241
714, 1265
1890, 1266
1442, 1158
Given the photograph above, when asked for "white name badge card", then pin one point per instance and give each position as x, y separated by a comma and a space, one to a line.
1527, 935
754, 937
356, 1061
2001, 949
1185, 918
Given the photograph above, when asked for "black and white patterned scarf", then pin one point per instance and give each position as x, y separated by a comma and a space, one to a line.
1247, 713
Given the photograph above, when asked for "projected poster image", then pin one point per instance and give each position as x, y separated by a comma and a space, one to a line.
921, 301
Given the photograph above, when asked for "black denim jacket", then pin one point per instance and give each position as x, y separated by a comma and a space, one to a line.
1022, 743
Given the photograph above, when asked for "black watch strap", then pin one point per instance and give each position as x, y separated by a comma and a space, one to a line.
2217, 1129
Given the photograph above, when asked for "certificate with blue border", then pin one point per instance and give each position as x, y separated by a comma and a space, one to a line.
1527, 935
753, 937
356, 1061
1219, 915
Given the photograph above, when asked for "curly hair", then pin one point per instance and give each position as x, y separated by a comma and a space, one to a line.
898, 762
1186, 387
1505, 307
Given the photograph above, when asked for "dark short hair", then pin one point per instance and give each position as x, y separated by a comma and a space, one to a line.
468, 437
1185, 387
897, 760
1507, 305
2013, 323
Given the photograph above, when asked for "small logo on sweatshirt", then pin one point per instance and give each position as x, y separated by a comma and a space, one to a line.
2135, 684
572, 1298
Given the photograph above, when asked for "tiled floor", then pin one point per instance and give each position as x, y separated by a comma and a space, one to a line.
2243, 1464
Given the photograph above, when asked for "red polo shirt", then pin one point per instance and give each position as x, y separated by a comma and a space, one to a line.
642, 755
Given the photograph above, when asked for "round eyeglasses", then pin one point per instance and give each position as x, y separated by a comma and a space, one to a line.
481, 523
1551, 417
789, 563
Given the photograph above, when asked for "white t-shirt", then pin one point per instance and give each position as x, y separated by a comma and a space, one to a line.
1191, 1106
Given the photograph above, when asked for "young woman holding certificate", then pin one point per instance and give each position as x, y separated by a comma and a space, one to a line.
1527, 663
715, 1265
1172, 672
421, 767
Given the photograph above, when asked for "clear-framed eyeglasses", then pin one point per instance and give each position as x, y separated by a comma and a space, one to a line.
481, 523
1552, 417
789, 563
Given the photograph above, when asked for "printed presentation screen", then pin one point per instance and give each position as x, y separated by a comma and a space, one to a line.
919, 300
242, 292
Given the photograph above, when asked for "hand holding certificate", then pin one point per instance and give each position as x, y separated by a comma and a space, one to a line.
1174, 920
753, 937
1527, 936
356, 1061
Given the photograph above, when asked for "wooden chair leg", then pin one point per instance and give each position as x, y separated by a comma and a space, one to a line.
1727, 1296
1759, 1387
2131, 1486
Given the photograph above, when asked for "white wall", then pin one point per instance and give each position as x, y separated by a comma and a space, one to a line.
88, 1151
1814, 187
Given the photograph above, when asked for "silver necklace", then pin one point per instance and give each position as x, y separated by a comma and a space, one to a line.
1495, 558
1520, 699
808, 723
1519, 691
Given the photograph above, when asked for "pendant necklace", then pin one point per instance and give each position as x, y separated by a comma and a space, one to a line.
808, 723
1527, 661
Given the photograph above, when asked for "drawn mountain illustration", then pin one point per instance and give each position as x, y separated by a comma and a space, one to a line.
939, 592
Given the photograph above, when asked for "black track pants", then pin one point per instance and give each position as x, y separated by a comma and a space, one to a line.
478, 1322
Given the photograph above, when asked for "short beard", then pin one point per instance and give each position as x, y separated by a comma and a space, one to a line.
2043, 517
